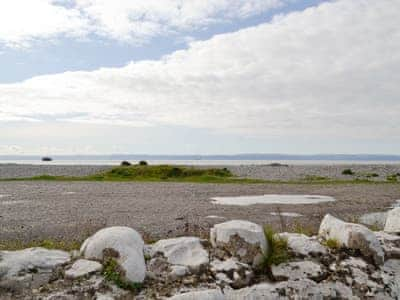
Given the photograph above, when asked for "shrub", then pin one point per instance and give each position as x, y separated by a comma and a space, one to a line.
347, 172
369, 175
391, 178
277, 249
125, 163
143, 163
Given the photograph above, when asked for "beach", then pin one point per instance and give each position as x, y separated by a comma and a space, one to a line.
36, 210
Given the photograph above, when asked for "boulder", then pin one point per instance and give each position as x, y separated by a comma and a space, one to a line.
353, 236
83, 267
298, 270
303, 245
377, 219
200, 295
29, 268
241, 239
123, 244
392, 224
183, 251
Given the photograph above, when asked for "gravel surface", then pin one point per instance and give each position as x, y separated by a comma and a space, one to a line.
73, 210
20, 171
267, 172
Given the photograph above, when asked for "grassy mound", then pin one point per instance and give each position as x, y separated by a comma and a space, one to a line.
165, 173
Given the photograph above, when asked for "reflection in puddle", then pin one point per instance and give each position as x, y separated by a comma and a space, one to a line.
272, 199
286, 214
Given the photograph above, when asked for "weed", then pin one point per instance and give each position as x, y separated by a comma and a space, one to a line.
277, 249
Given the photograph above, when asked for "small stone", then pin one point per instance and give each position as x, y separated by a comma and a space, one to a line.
303, 245
83, 267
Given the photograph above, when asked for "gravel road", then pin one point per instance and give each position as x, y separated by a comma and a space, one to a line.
73, 210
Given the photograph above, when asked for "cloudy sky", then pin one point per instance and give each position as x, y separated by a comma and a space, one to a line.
199, 76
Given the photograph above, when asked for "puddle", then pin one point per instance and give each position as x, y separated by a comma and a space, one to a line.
286, 214
272, 199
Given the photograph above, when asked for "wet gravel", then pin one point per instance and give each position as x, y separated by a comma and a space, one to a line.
73, 210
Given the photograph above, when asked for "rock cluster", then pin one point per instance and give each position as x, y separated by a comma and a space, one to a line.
345, 261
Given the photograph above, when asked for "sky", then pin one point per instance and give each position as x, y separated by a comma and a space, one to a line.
199, 76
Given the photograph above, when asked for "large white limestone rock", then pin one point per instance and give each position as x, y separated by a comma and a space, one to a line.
353, 236
392, 224
14, 263
242, 239
122, 243
200, 295
184, 251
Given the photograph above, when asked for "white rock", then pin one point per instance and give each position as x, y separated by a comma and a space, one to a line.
298, 270
299, 289
252, 245
354, 262
390, 244
200, 295
14, 263
353, 236
374, 219
391, 276
126, 242
302, 244
222, 278
224, 266
83, 267
184, 251
393, 221
178, 271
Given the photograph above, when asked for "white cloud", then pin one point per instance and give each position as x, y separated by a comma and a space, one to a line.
23, 22
331, 70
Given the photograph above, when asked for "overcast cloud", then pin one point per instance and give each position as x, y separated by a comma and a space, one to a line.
328, 70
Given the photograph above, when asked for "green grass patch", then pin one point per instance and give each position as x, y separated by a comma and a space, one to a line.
391, 178
48, 244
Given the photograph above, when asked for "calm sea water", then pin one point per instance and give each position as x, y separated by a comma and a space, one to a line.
200, 162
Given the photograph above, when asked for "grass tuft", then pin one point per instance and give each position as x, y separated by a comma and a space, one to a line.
277, 249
